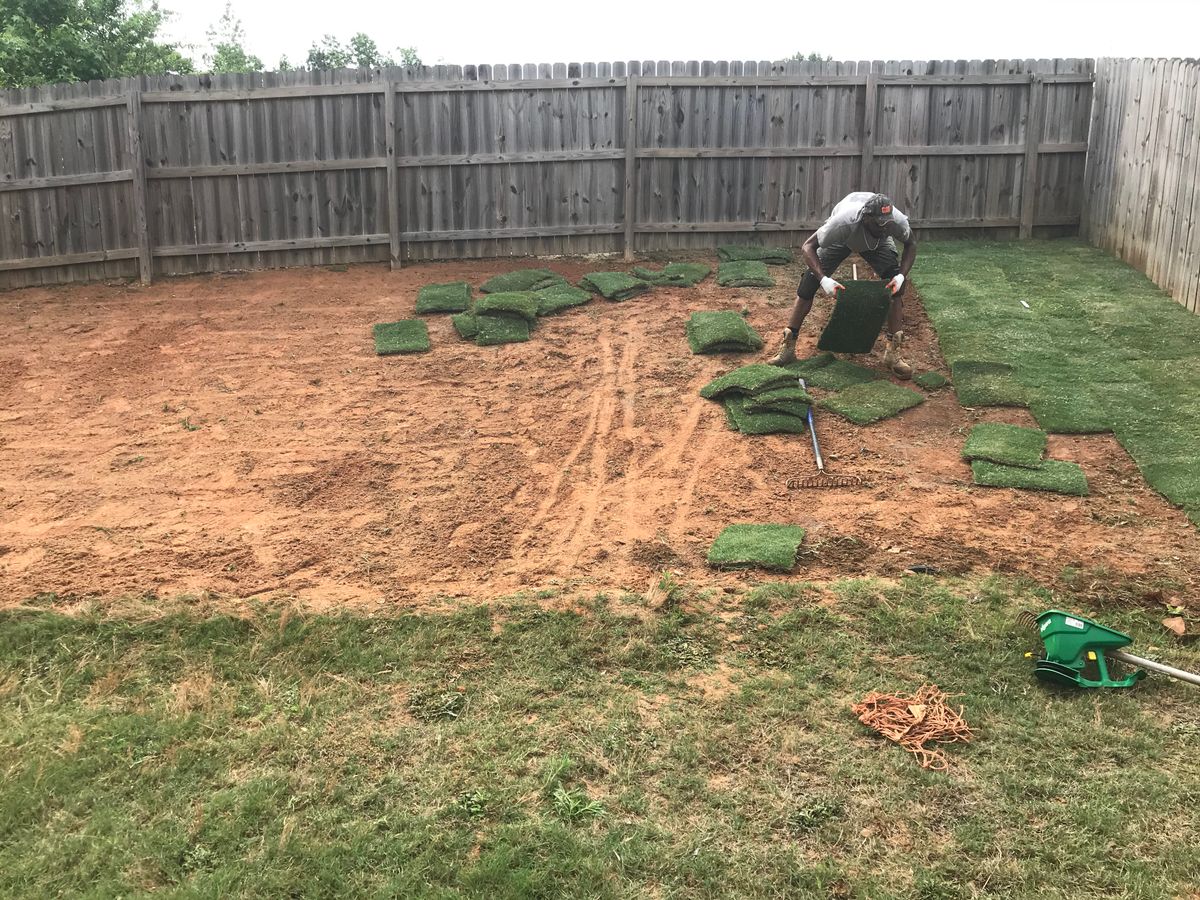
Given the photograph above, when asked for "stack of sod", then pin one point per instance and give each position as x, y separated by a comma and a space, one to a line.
616, 286
522, 280
454, 297
674, 274
1011, 456
501, 318
745, 273
771, 547
775, 256
872, 401
405, 336
760, 399
858, 316
559, 297
830, 373
721, 332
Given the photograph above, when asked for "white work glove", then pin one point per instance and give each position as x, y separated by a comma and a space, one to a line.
831, 287
896, 285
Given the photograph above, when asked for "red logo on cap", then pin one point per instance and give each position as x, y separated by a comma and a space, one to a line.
885, 209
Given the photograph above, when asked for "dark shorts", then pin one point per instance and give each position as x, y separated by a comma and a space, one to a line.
884, 260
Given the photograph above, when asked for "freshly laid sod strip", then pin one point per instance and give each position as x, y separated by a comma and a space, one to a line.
501, 747
931, 381
1095, 347
748, 380
405, 336
453, 297
520, 304
775, 256
522, 280
1010, 445
832, 374
721, 332
562, 296
747, 273
502, 329
615, 286
863, 404
742, 419
756, 546
1050, 475
674, 274
857, 318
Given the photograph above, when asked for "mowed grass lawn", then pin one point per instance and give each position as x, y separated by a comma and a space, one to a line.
506, 750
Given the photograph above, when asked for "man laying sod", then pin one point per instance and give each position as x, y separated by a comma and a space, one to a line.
869, 224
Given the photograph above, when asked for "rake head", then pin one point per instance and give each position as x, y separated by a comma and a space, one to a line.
825, 480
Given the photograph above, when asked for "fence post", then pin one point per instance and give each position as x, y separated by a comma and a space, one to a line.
137, 165
1033, 137
868, 131
395, 254
631, 90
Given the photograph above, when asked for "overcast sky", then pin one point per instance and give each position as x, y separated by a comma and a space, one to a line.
474, 31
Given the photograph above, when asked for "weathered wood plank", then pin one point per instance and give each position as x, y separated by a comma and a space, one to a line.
1033, 133
137, 161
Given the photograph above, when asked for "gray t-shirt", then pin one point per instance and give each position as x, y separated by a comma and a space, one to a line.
844, 227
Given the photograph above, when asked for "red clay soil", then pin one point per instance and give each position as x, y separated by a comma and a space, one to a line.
237, 435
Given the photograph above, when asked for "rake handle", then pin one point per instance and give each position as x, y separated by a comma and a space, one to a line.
812, 430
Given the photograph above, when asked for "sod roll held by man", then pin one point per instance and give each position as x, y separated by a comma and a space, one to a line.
870, 225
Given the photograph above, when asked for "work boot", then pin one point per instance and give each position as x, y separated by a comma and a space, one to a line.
787, 353
892, 358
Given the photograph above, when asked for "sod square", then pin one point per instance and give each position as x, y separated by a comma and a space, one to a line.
746, 273
466, 325
857, 318
1051, 475
616, 286
772, 547
555, 299
674, 274
988, 384
500, 329
722, 331
1010, 445
405, 336
742, 419
521, 304
522, 280
865, 403
452, 297
931, 381
748, 380
829, 373
775, 256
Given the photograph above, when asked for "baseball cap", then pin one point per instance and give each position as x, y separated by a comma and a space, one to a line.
878, 205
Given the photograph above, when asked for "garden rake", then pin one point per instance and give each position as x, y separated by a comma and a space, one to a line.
822, 479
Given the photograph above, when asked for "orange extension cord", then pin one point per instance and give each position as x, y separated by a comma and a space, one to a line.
914, 721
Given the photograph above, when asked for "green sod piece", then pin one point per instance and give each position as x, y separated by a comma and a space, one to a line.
775, 256
674, 274
454, 297
988, 384
500, 329
1051, 475
616, 286
521, 304
771, 547
747, 380
466, 325
405, 336
714, 332
1010, 445
931, 381
791, 393
857, 318
562, 296
835, 375
745, 273
522, 280
747, 422
863, 404
795, 408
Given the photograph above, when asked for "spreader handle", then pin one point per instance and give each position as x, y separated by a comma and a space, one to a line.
1189, 677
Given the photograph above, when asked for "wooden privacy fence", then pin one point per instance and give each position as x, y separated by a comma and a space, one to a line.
168, 175
1143, 197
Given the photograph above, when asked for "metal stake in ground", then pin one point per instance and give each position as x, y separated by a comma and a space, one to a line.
822, 479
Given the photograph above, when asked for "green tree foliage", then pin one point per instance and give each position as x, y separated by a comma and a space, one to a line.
360, 52
47, 41
809, 57
228, 40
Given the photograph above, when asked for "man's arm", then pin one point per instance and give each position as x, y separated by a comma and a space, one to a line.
910, 255
809, 251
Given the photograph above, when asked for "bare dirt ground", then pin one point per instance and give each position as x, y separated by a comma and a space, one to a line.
237, 435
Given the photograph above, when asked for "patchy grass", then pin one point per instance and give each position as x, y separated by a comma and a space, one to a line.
1098, 349
511, 751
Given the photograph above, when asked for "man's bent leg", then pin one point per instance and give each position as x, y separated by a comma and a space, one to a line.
829, 258
886, 264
